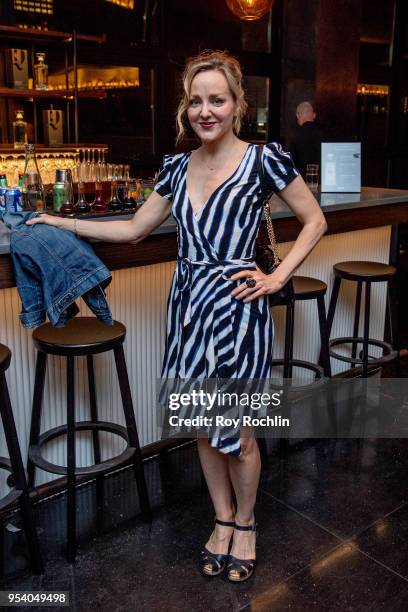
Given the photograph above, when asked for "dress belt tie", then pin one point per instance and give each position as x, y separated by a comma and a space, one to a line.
184, 275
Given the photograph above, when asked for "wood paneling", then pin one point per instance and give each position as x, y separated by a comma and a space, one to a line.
320, 53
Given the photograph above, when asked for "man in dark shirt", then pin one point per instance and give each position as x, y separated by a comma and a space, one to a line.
306, 146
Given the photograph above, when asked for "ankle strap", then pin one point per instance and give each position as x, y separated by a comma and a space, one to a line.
246, 527
225, 523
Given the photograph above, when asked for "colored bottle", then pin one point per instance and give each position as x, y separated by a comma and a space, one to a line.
60, 190
3, 189
82, 206
129, 201
41, 72
114, 203
19, 130
99, 205
67, 209
33, 188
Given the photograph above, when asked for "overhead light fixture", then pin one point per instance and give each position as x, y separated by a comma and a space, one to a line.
42, 7
250, 10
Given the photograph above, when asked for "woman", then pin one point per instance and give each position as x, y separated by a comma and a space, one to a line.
219, 324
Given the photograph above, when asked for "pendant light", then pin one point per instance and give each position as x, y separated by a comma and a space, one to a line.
249, 10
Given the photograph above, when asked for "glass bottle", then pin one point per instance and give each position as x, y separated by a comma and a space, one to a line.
19, 130
114, 203
41, 72
99, 205
82, 206
33, 188
129, 201
60, 190
67, 208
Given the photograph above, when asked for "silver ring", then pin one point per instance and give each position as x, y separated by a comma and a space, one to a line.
250, 282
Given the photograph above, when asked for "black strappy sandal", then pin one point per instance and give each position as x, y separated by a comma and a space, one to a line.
244, 567
217, 561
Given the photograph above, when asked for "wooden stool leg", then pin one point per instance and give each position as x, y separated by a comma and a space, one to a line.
324, 337
96, 442
392, 294
356, 319
13, 447
71, 462
289, 330
94, 408
366, 328
132, 431
40, 370
333, 302
331, 310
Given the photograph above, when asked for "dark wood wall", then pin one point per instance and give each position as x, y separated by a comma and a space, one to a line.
320, 54
338, 44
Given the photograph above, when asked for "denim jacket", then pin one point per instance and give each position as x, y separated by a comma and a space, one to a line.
53, 267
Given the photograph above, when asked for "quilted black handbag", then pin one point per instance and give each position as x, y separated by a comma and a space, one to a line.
266, 255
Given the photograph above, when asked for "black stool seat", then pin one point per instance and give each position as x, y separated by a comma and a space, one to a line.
307, 288
367, 272
13, 464
5, 357
82, 336
371, 271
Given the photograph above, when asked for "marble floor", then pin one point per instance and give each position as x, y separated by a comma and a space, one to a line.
332, 520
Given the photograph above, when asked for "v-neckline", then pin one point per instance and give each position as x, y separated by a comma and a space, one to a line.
197, 214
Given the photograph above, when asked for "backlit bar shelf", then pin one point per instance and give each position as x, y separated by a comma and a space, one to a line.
7, 149
49, 160
12, 92
46, 35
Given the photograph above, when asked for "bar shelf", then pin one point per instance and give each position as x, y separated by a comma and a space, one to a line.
13, 92
6, 149
36, 35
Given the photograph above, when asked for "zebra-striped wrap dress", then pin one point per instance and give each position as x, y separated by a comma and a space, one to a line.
211, 334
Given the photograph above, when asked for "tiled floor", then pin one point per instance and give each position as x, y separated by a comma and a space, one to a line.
333, 523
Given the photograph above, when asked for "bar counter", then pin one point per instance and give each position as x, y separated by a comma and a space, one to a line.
359, 228
373, 207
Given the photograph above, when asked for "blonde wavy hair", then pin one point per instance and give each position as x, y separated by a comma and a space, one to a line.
230, 67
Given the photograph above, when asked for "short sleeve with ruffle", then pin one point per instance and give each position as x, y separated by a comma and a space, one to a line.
278, 167
163, 185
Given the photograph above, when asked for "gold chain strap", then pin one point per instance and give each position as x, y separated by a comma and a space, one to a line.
271, 233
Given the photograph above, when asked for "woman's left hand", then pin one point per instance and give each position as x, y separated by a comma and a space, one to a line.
264, 284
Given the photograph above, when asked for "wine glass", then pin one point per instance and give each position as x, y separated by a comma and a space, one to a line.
92, 166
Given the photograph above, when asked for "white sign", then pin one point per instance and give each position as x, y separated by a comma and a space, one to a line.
341, 167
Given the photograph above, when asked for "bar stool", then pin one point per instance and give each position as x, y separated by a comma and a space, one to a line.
364, 272
14, 465
84, 336
306, 288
